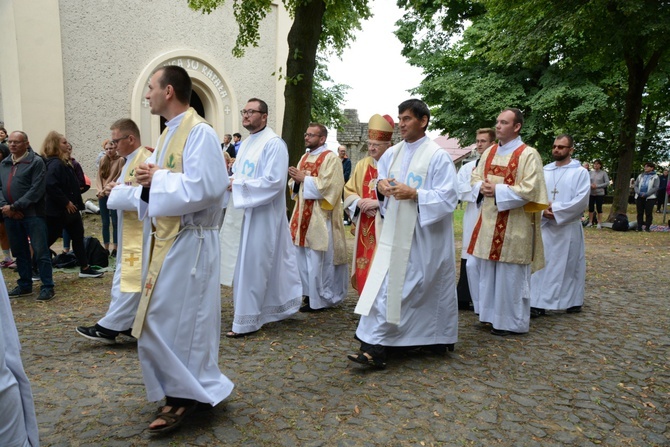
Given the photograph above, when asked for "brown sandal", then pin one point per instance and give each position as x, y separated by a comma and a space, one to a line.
171, 418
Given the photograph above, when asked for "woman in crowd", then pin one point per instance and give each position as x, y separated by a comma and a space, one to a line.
84, 185
599, 182
63, 200
110, 170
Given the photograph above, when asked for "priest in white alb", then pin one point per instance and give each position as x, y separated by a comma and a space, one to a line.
508, 187
258, 257
409, 298
178, 322
316, 224
560, 284
361, 200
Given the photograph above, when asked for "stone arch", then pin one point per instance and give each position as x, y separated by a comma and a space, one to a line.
209, 82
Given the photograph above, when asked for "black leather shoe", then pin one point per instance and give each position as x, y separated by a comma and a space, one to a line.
537, 312
504, 333
574, 309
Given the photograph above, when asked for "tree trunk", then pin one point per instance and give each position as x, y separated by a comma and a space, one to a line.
303, 41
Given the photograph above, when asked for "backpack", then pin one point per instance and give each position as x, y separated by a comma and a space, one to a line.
620, 223
64, 260
96, 253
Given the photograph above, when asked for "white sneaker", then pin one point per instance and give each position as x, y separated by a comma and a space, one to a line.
588, 225
599, 227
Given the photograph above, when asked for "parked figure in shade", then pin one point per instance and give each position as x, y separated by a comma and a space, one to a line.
660, 194
255, 239
23, 183
63, 201
18, 423
646, 187
509, 188
361, 201
409, 299
599, 182
122, 197
316, 223
110, 169
483, 140
178, 322
560, 284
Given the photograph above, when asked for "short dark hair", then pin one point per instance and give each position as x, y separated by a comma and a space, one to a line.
126, 125
322, 129
262, 105
599, 161
518, 116
237, 134
571, 141
650, 164
418, 108
488, 130
179, 79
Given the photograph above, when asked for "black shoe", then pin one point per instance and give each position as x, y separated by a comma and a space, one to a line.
113, 253
98, 333
367, 360
90, 273
46, 295
18, 291
537, 312
504, 333
127, 333
574, 309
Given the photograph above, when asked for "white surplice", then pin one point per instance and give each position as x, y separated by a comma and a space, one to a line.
123, 305
266, 285
560, 284
18, 424
429, 310
179, 344
471, 212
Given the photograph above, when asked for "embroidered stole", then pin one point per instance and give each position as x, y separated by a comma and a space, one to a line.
396, 237
366, 238
508, 173
303, 214
231, 231
167, 227
133, 232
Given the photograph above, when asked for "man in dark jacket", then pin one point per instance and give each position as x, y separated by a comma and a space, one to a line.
23, 186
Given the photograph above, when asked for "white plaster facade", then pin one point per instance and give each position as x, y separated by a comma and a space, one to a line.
75, 66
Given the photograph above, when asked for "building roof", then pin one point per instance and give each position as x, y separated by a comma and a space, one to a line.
452, 146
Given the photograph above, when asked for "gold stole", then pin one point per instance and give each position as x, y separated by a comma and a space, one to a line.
167, 227
133, 234
397, 233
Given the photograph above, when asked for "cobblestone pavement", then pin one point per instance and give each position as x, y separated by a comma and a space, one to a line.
601, 377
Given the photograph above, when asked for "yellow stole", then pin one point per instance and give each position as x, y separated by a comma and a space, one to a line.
167, 227
132, 235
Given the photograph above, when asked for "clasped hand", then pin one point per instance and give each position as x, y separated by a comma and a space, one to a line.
144, 173
400, 191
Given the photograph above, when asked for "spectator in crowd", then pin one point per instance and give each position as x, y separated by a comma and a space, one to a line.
599, 182
63, 200
84, 185
662, 185
346, 170
109, 171
228, 147
646, 187
237, 141
7, 261
23, 183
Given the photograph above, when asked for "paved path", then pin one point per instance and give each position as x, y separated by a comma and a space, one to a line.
601, 377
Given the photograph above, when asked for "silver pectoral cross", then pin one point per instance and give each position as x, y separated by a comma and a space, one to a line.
554, 192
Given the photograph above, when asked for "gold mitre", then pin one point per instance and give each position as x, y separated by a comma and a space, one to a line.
380, 128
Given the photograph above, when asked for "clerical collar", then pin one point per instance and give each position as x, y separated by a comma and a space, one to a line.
510, 146
176, 121
318, 150
258, 133
416, 144
16, 160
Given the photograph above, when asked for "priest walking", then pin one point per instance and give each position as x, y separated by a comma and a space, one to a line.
560, 284
409, 298
178, 323
509, 188
258, 257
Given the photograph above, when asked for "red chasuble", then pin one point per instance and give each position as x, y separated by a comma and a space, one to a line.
367, 239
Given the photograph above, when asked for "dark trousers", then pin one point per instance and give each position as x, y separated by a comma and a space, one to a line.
463, 288
18, 231
645, 208
75, 228
106, 215
660, 200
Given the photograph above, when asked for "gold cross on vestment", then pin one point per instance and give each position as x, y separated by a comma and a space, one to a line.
131, 259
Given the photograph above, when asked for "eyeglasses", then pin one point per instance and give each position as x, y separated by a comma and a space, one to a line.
249, 112
560, 146
372, 145
116, 141
311, 135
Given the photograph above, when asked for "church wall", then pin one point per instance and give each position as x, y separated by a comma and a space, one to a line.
107, 45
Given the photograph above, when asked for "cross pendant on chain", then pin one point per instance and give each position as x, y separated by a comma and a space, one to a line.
554, 192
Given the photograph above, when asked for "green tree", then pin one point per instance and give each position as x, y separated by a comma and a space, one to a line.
317, 24
597, 69
327, 98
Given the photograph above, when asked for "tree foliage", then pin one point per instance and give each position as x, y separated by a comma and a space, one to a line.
597, 69
325, 25
327, 98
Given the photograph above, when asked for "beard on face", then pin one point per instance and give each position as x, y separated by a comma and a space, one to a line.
560, 157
